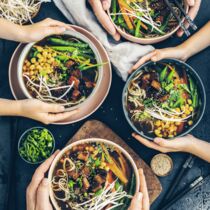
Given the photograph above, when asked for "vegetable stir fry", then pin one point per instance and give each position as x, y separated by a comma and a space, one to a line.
162, 100
61, 69
36, 145
93, 176
144, 18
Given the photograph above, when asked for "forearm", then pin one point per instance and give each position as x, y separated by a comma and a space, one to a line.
10, 108
197, 42
200, 149
11, 31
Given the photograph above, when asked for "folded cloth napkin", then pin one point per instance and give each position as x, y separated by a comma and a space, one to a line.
122, 54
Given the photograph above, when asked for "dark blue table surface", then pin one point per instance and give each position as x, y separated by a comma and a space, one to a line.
110, 113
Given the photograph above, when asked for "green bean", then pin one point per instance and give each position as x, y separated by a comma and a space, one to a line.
163, 74
195, 99
62, 42
71, 49
83, 68
114, 9
137, 30
170, 76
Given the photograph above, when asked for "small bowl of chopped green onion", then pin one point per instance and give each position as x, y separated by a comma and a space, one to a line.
36, 145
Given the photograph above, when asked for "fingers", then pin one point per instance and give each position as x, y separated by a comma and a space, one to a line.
42, 199
175, 145
148, 143
106, 4
52, 22
136, 203
51, 30
144, 191
190, 2
40, 172
143, 60
51, 108
193, 11
60, 116
103, 18
36, 179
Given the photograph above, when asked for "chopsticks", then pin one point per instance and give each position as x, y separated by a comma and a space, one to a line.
189, 20
187, 165
196, 183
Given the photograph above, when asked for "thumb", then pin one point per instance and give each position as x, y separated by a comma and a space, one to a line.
159, 55
50, 30
136, 203
52, 108
191, 2
43, 202
164, 143
106, 4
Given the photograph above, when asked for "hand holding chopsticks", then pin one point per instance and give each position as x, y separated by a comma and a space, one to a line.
189, 16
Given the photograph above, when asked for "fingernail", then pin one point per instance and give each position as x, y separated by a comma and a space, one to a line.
133, 134
139, 196
141, 171
117, 37
62, 28
154, 58
157, 140
45, 182
61, 108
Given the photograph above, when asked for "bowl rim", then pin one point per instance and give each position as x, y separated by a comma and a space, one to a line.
91, 140
198, 79
150, 39
21, 139
73, 33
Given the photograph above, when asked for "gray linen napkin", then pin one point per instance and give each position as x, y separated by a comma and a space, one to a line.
122, 54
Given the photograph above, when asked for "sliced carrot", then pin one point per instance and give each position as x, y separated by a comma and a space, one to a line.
144, 26
126, 17
117, 171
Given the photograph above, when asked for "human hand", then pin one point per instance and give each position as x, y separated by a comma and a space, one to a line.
178, 52
46, 27
194, 6
43, 112
180, 144
141, 200
99, 8
37, 194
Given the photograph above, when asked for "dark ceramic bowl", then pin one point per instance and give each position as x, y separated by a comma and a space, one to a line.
190, 71
22, 139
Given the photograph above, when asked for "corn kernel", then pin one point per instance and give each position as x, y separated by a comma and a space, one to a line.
182, 108
189, 101
191, 108
158, 123
190, 122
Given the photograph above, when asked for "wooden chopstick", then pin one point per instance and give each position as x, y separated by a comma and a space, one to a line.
186, 31
188, 164
187, 17
196, 183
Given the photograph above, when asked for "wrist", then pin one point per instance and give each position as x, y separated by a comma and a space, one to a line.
190, 145
10, 107
183, 52
23, 34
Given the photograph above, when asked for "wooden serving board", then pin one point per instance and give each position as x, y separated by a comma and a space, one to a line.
96, 129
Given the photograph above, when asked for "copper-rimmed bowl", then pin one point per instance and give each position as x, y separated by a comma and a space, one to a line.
71, 33
150, 40
99, 96
90, 140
